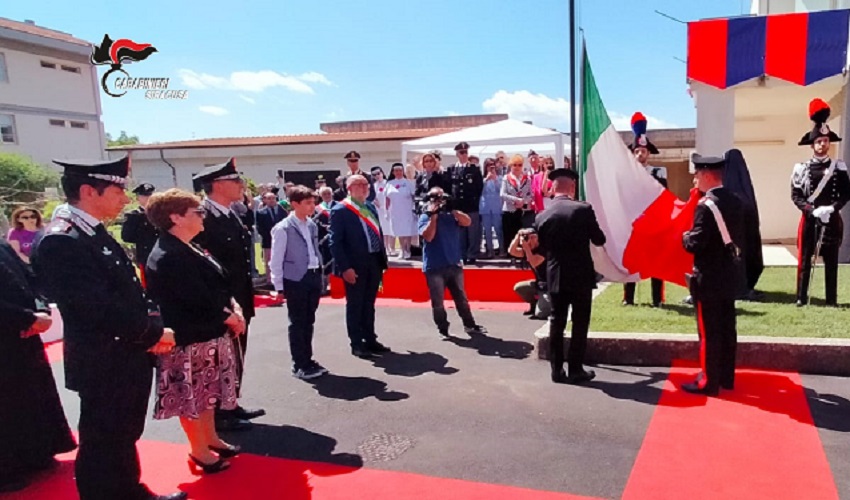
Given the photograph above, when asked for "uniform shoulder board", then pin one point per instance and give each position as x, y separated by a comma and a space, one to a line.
799, 167
840, 165
660, 172
60, 226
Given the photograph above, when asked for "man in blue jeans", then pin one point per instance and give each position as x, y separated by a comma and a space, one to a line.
442, 258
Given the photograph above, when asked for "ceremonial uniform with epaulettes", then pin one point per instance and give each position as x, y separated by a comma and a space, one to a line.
109, 326
820, 188
660, 175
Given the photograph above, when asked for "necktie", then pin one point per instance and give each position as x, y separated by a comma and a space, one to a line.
374, 239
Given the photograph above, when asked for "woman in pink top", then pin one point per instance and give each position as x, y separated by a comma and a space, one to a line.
541, 187
26, 228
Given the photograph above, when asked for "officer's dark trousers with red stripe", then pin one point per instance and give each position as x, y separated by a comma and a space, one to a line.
807, 236
718, 342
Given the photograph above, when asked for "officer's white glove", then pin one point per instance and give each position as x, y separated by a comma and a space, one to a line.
823, 213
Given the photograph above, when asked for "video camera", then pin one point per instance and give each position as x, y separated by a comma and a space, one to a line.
442, 201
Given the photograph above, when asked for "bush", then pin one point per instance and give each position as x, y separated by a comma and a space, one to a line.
23, 181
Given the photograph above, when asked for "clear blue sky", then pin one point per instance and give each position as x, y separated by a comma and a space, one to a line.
284, 67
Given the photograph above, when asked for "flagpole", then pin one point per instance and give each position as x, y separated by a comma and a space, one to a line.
573, 84
581, 193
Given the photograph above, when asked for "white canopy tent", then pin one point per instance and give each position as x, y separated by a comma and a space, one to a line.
510, 136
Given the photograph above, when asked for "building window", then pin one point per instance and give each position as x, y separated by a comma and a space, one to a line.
71, 69
7, 129
49, 65
57, 123
4, 74
83, 125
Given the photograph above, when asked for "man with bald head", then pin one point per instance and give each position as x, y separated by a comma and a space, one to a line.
357, 246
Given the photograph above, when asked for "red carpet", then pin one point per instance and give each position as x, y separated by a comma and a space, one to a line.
164, 469
757, 441
482, 285
269, 301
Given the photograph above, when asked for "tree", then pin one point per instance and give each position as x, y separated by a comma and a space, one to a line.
23, 181
122, 140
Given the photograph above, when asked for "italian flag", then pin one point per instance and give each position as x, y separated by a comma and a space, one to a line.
642, 221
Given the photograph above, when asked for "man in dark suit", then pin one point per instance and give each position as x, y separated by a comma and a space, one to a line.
467, 184
137, 229
357, 247
565, 231
715, 240
230, 243
110, 328
267, 217
352, 159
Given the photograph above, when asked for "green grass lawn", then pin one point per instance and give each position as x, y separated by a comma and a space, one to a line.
777, 316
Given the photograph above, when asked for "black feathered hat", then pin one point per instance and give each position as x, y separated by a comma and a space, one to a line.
819, 114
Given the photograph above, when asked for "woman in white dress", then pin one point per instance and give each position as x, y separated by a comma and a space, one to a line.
380, 183
400, 205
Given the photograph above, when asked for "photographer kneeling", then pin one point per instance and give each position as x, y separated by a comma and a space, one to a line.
534, 291
439, 227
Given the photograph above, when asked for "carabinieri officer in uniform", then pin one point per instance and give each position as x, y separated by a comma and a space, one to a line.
137, 229
110, 328
715, 240
230, 243
641, 147
820, 188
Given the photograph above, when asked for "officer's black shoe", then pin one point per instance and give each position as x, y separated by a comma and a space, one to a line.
800, 303
245, 414
831, 303
581, 377
444, 334
232, 424
362, 353
656, 304
560, 377
694, 388
689, 300
471, 261
728, 386
628, 303
377, 347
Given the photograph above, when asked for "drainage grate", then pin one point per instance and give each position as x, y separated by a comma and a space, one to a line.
384, 447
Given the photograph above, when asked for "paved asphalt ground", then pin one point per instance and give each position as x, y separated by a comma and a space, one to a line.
480, 409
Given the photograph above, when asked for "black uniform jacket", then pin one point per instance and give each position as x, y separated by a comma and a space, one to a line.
109, 322
804, 181
137, 229
467, 184
231, 245
191, 289
565, 231
716, 274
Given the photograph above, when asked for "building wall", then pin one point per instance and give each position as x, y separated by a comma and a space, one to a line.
43, 142
34, 95
260, 163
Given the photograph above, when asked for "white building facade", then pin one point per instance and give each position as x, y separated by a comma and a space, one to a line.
49, 95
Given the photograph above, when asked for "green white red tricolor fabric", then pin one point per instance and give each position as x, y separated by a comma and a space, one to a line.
642, 221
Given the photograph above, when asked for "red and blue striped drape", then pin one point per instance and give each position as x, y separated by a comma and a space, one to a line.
801, 48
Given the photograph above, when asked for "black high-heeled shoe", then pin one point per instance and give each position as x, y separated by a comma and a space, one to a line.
196, 467
229, 452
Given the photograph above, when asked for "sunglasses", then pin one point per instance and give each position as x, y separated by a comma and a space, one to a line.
27, 217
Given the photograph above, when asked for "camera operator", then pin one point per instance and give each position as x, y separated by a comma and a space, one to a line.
440, 228
534, 291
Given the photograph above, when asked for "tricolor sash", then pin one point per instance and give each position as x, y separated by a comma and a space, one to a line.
367, 219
